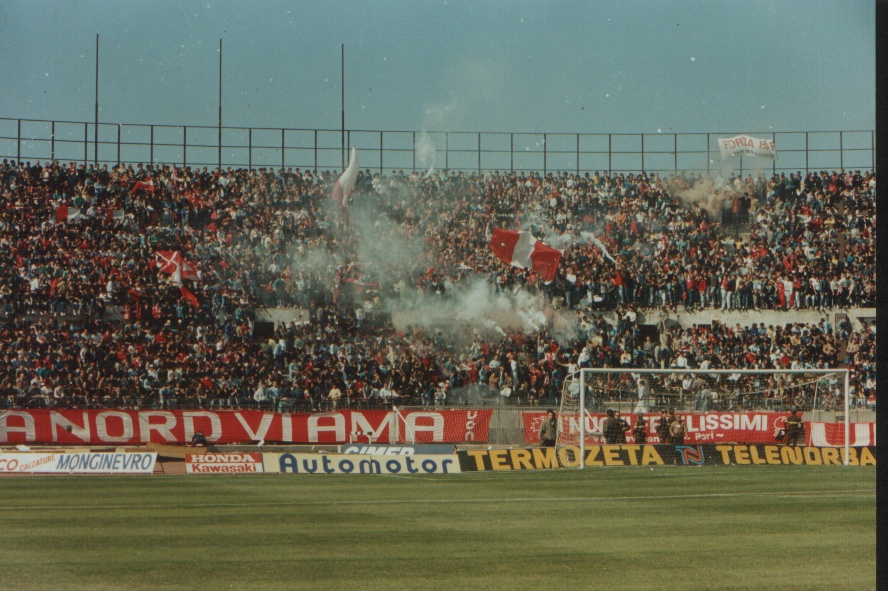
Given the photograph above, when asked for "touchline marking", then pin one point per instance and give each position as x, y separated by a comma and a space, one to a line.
821, 494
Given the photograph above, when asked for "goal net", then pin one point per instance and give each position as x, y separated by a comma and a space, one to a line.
715, 406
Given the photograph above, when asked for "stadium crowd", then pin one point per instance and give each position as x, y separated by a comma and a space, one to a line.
138, 286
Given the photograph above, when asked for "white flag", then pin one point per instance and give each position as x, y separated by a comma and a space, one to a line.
345, 184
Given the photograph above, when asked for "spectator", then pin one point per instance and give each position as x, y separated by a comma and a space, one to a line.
263, 237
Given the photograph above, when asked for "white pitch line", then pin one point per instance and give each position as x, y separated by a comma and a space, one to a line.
861, 493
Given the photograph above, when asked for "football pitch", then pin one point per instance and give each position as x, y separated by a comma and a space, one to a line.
713, 528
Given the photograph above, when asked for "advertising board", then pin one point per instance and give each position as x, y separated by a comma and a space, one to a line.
223, 463
131, 427
660, 455
396, 450
713, 427
78, 463
277, 463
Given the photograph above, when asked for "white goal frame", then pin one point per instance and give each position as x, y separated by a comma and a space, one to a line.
611, 370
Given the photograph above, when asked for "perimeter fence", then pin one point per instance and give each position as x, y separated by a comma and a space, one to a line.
389, 151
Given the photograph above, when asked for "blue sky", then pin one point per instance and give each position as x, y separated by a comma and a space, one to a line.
454, 65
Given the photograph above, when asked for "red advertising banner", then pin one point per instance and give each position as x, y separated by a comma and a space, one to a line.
131, 427
861, 434
710, 427
444, 426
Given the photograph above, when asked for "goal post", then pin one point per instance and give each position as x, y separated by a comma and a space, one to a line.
699, 391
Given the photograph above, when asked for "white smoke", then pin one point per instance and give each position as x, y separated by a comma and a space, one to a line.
425, 152
705, 195
573, 238
475, 306
383, 245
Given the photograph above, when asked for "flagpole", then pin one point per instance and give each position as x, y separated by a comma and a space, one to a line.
96, 124
342, 101
220, 105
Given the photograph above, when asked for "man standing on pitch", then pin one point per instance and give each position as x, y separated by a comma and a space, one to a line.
548, 429
795, 428
639, 430
663, 426
677, 431
624, 428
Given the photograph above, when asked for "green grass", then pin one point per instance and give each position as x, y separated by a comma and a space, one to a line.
714, 528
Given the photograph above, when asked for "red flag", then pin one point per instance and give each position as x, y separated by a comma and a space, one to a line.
68, 214
522, 250
168, 261
345, 184
189, 297
544, 260
147, 185
171, 262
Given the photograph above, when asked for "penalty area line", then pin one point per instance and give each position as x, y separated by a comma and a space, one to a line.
859, 493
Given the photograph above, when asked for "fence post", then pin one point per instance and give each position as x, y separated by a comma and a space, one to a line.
283, 148
52, 142
118, 144
578, 154
774, 163
316, 150
545, 156
446, 150
609, 153
479, 152
642, 152
806, 152
381, 143
674, 153
185, 146
841, 151
151, 145
708, 157
18, 143
414, 150
511, 152
85, 144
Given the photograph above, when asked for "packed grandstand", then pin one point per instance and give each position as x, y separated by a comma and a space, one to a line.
142, 286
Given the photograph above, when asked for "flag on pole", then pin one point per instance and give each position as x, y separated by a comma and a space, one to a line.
68, 214
189, 297
345, 184
522, 250
189, 271
167, 261
172, 263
